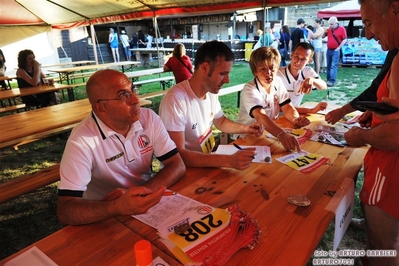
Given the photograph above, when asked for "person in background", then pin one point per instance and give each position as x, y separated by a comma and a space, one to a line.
141, 39
3, 69
370, 94
299, 78
297, 35
259, 32
323, 54
267, 38
179, 63
316, 40
190, 108
283, 45
106, 168
126, 45
264, 97
29, 74
379, 194
336, 38
113, 43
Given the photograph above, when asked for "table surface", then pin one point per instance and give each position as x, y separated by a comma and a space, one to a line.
290, 234
92, 245
145, 72
7, 78
83, 62
89, 67
28, 125
8, 94
154, 49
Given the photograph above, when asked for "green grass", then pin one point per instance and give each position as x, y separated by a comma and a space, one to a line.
31, 217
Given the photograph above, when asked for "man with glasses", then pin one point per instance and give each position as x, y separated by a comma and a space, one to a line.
106, 166
336, 38
299, 78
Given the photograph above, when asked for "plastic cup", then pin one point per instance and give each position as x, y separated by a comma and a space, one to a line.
143, 252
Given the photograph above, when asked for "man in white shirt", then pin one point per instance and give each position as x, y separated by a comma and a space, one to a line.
300, 79
190, 108
106, 168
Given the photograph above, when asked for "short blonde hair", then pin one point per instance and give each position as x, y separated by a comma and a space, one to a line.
262, 56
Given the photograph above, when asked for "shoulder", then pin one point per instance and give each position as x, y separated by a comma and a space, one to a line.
309, 72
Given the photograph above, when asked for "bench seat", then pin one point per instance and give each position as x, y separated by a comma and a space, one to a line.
12, 108
232, 89
165, 81
28, 183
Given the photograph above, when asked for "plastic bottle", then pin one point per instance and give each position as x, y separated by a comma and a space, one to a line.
143, 252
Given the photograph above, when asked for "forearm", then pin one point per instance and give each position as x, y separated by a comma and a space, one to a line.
230, 127
383, 137
199, 159
77, 211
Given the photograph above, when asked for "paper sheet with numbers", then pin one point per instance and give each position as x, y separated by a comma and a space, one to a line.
209, 234
262, 152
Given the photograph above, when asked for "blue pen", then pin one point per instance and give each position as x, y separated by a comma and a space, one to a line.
238, 147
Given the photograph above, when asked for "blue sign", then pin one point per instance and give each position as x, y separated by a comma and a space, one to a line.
363, 52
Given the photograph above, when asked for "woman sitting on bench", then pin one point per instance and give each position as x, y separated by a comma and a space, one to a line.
29, 74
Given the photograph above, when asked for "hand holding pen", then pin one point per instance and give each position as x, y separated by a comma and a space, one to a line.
243, 157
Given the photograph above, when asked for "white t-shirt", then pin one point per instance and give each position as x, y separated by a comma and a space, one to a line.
254, 96
97, 160
182, 111
124, 40
292, 85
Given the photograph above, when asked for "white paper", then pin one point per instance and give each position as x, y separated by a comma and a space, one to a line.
343, 214
32, 257
262, 152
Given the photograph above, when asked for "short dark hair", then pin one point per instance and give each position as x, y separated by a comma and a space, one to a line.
211, 52
304, 45
22, 56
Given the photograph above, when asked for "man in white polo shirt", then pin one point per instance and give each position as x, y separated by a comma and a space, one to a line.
300, 79
106, 166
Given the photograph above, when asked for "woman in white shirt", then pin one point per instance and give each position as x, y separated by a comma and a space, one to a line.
317, 37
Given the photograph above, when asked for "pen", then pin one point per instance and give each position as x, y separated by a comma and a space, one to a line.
238, 147
169, 193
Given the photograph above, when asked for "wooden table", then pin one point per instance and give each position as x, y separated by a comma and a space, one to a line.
290, 234
39, 123
135, 75
105, 243
8, 79
64, 73
9, 94
73, 63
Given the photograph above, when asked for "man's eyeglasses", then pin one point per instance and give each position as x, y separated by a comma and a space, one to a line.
124, 97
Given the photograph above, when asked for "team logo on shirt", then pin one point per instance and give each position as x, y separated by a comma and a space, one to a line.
143, 141
194, 126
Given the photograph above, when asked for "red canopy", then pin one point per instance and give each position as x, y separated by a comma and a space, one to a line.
344, 10
72, 13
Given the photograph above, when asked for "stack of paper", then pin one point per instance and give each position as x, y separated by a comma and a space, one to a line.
211, 235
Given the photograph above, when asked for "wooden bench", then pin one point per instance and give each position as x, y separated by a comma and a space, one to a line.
165, 81
152, 94
28, 183
232, 89
12, 108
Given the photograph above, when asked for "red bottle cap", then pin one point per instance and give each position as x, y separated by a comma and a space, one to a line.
143, 252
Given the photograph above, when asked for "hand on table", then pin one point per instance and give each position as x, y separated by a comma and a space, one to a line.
335, 115
135, 200
300, 121
352, 137
242, 159
289, 142
255, 129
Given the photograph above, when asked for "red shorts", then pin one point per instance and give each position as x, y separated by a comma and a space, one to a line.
381, 180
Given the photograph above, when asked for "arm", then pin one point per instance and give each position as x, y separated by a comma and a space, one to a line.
231, 127
319, 107
288, 141
37, 74
242, 159
77, 211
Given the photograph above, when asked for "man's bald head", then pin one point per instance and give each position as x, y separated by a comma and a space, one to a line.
100, 83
